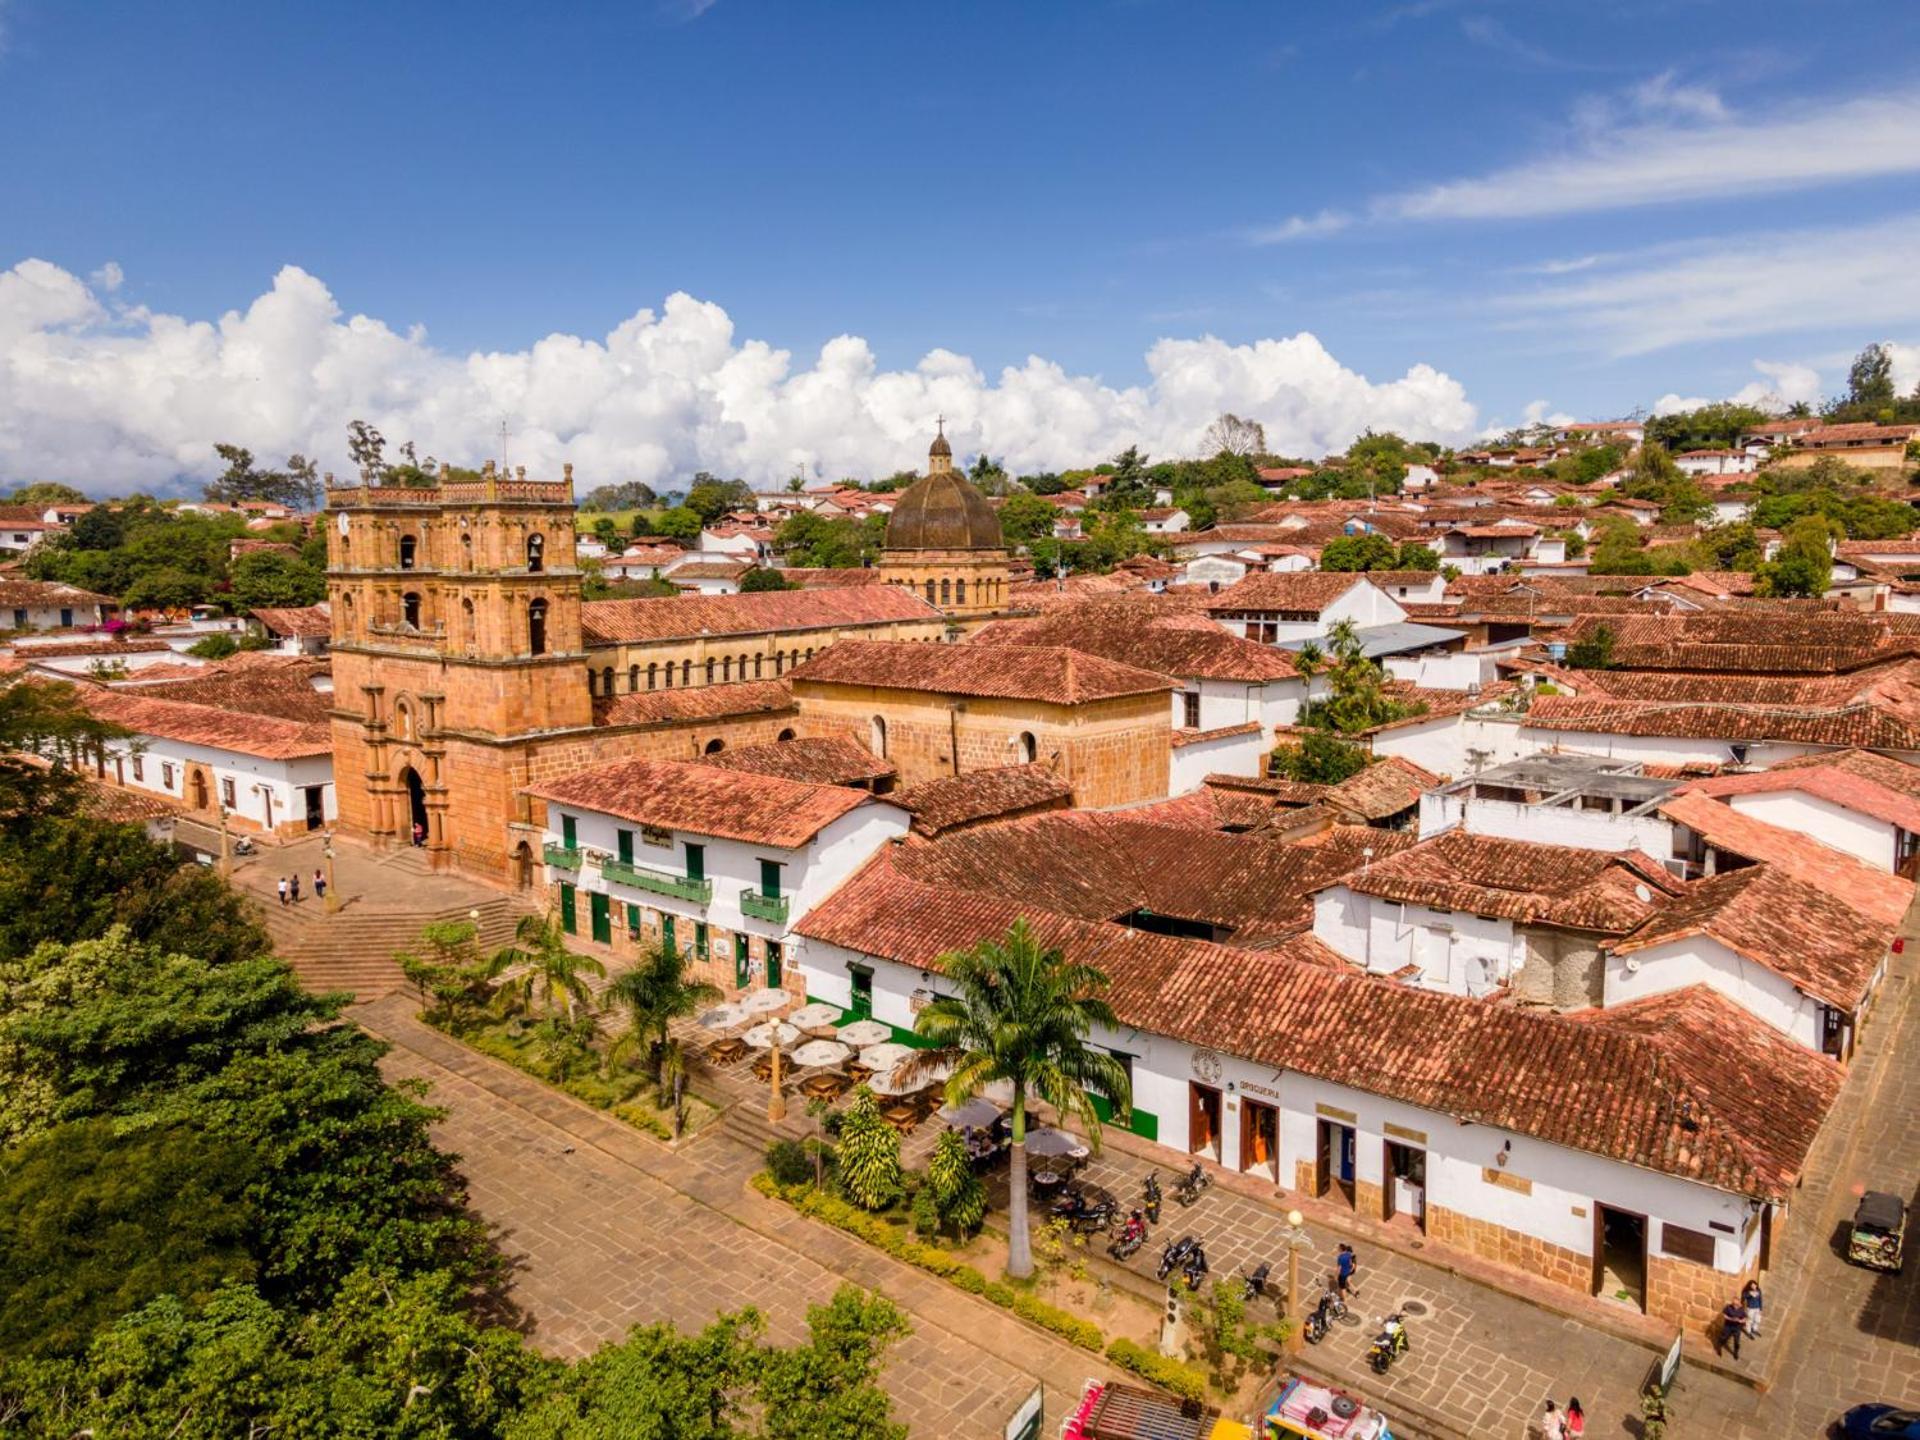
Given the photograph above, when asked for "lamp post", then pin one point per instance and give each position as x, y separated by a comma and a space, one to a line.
1296, 1237
326, 852
776, 1102
226, 860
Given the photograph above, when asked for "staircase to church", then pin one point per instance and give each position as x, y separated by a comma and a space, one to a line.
353, 950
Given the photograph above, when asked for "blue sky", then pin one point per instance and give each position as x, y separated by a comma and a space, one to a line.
1461, 186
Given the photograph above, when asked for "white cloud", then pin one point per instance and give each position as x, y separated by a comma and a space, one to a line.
1760, 284
109, 277
113, 397
1906, 366
1672, 404
1300, 227
1681, 144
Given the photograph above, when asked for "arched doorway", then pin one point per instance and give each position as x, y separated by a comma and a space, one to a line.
877, 736
523, 866
416, 805
198, 781
1029, 750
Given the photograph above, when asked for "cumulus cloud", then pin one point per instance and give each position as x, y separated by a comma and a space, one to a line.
1299, 227
108, 396
1784, 382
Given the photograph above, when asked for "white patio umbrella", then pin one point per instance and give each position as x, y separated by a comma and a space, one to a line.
820, 1052
722, 1017
760, 1001
882, 1058
772, 1032
892, 1083
865, 1032
816, 1016
1048, 1143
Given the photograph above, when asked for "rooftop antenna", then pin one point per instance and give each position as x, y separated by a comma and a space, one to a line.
506, 434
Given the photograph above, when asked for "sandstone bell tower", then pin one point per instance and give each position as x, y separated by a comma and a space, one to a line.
456, 640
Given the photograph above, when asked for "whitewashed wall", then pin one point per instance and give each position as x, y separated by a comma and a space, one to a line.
1240, 754
1699, 960
1871, 840
1546, 824
267, 793
1458, 952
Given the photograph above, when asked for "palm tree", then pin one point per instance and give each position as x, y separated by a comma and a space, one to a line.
656, 992
549, 968
1021, 1014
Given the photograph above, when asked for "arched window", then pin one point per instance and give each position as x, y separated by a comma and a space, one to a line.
403, 720
1029, 751
809, 652
779, 661
653, 675
410, 609
606, 682
633, 678
930, 592
686, 672
536, 553
784, 735
469, 629
756, 665
408, 548
714, 747
590, 684
709, 670
960, 592
877, 736
726, 668
466, 551
669, 675
946, 592
346, 602
537, 627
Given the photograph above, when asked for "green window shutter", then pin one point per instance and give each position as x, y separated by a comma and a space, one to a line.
602, 909
773, 965
696, 861
770, 879
568, 914
700, 946
569, 832
633, 921
741, 974
666, 934
624, 839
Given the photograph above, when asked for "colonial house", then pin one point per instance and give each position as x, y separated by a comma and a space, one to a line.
1305, 605
46, 605
1865, 804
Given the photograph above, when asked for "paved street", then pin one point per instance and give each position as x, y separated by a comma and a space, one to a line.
607, 1229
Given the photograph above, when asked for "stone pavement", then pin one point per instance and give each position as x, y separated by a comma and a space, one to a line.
606, 1229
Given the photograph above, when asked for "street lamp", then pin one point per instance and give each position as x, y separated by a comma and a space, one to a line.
776, 1102
1296, 1238
326, 851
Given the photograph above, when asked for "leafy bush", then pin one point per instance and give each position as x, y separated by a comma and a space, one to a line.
789, 1163
869, 1154
1183, 1380
958, 1198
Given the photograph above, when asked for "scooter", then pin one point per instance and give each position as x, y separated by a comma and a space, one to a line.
1191, 1184
1151, 1192
1389, 1345
1255, 1284
1175, 1254
1194, 1267
1132, 1236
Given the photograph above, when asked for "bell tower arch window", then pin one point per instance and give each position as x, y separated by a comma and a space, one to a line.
469, 627
410, 609
536, 554
409, 551
537, 627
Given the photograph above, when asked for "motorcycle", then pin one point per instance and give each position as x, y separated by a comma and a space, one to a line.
1320, 1319
1194, 1268
1083, 1215
1389, 1345
242, 845
1152, 1199
1132, 1236
1255, 1284
1191, 1184
1175, 1254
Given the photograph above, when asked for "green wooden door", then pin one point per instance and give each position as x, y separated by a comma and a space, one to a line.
624, 840
700, 939
569, 832
742, 975
770, 879
773, 965
862, 1006
666, 935
602, 917
568, 918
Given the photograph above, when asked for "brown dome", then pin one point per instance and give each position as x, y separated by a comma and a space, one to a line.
943, 512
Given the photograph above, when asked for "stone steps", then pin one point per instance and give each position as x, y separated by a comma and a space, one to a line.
354, 952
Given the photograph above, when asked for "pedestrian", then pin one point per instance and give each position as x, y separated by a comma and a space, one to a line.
293, 887
1552, 1427
1752, 1299
319, 885
283, 889
1345, 1263
1576, 1420
419, 833
1733, 1324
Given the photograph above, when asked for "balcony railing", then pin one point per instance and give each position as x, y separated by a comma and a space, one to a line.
560, 857
658, 882
771, 908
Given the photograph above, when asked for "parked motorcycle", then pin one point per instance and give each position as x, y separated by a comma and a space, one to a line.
1389, 1345
1175, 1254
1330, 1308
242, 845
1194, 1268
1255, 1285
1083, 1215
1132, 1236
1151, 1193
1191, 1184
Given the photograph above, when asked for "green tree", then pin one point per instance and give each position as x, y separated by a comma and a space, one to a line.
658, 990
1803, 566
763, 577
1318, 759
1716, 426
631, 495
1022, 1013
95, 1223
549, 971
958, 1196
46, 492
454, 976
1360, 552
869, 1154
46, 720
264, 579
1415, 556
217, 646
832, 544
679, 523
1357, 697
1025, 518
710, 498
1870, 379
1593, 650
167, 588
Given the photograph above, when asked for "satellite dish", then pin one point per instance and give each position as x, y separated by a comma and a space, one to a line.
1644, 895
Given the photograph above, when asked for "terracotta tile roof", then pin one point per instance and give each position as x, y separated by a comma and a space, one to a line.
981, 796
1847, 434
715, 569
304, 621
217, 727
1045, 595
123, 805
1835, 784
1880, 769
48, 594
1778, 640
1384, 788
1850, 725
1876, 895
96, 645
707, 800
1309, 591
702, 702
1051, 674
814, 578
1183, 737
282, 688
817, 760
1236, 804
1522, 882
1712, 688
1867, 549
1151, 632
1824, 946
1609, 1091
682, 617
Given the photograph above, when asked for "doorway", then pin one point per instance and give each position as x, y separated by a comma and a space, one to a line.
316, 803
773, 964
1260, 1139
860, 994
742, 963
602, 911
569, 916
1620, 1256
1405, 1194
1333, 1161
1203, 1120
416, 805
523, 866
199, 797
1835, 1032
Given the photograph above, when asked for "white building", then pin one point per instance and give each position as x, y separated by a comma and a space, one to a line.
45, 605
1302, 605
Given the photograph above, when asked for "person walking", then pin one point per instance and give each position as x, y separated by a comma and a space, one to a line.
1345, 1264
1552, 1426
283, 889
293, 887
1752, 1300
1576, 1420
319, 884
1733, 1324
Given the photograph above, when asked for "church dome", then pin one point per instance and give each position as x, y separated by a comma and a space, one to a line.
943, 512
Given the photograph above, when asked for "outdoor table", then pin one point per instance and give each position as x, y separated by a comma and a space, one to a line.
823, 1086
902, 1117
